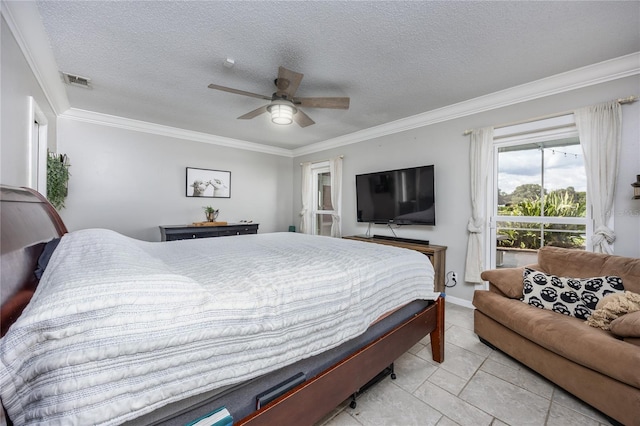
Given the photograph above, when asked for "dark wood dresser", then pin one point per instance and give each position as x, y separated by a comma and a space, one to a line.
184, 232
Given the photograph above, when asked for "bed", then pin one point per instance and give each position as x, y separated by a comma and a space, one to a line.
119, 330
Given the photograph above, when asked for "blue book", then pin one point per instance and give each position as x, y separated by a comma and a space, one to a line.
219, 417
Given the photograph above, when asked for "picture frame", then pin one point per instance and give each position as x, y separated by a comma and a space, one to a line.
206, 183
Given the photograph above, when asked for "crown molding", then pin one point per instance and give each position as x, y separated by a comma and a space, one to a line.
25, 24
601, 72
173, 132
590, 75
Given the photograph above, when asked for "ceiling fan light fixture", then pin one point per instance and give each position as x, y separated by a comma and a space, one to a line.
281, 113
283, 107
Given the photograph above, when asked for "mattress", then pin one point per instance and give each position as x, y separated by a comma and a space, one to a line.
119, 327
240, 399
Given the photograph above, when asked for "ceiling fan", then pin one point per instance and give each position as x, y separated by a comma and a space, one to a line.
284, 106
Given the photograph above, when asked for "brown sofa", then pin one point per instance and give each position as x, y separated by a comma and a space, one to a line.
600, 367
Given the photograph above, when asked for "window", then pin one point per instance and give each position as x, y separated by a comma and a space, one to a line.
539, 195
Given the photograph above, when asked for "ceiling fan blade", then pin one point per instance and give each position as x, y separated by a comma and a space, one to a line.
302, 119
254, 113
238, 92
335, 103
288, 82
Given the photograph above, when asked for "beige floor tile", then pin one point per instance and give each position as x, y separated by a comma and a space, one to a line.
426, 340
457, 360
520, 376
453, 407
416, 348
567, 400
504, 359
467, 339
447, 381
509, 403
559, 415
445, 421
389, 405
458, 315
412, 371
425, 353
342, 419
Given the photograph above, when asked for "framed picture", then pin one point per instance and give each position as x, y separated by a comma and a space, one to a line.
208, 183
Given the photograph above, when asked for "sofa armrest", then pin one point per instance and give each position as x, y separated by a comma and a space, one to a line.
627, 325
507, 280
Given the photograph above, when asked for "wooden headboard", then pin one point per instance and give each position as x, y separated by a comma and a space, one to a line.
27, 222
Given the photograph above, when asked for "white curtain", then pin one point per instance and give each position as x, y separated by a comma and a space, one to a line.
599, 128
305, 213
335, 169
480, 163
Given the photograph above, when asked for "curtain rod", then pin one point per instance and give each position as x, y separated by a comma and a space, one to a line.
341, 156
628, 100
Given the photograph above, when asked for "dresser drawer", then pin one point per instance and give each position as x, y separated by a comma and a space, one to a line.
185, 232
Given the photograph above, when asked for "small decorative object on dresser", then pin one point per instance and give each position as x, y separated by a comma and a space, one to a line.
211, 213
208, 183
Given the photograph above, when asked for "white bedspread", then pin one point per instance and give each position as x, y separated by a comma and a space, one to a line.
119, 327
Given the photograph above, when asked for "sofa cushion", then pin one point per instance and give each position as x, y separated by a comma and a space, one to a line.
567, 336
584, 264
507, 280
565, 295
627, 325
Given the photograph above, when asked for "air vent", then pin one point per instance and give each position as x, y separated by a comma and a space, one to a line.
76, 80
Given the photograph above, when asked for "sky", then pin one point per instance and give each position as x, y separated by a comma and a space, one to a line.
563, 167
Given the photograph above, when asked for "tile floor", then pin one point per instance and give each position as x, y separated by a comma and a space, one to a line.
474, 386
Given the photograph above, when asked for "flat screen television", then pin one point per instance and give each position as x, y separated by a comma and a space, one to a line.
402, 197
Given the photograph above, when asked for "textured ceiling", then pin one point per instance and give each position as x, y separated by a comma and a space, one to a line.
152, 61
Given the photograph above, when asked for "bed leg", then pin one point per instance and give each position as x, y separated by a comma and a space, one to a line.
437, 335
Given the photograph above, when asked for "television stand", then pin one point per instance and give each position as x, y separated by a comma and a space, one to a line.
436, 254
404, 240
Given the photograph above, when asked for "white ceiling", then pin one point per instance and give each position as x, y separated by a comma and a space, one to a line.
152, 61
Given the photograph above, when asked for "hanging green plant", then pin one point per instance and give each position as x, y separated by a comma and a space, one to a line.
57, 179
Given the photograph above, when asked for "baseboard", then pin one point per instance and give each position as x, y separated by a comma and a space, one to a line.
461, 302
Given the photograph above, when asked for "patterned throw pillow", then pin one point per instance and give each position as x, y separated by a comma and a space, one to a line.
576, 297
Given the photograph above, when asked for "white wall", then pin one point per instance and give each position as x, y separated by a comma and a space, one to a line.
132, 182
18, 84
444, 145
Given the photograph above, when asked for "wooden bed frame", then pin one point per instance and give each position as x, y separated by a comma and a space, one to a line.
28, 221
